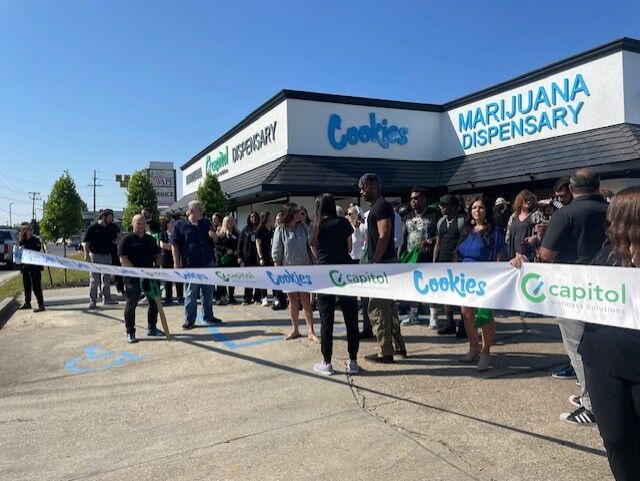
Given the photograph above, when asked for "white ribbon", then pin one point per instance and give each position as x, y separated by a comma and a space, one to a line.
602, 295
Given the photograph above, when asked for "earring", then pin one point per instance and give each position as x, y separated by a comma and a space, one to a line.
473, 222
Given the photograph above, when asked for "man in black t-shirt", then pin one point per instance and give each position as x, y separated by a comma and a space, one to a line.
574, 236
139, 249
449, 229
380, 249
98, 244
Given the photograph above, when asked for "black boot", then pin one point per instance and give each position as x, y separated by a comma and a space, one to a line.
462, 332
450, 328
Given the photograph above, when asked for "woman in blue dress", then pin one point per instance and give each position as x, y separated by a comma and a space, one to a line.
480, 242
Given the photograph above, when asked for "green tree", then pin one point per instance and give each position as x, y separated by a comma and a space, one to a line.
211, 195
63, 210
140, 194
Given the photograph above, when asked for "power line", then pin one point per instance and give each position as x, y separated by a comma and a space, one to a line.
6, 184
19, 179
21, 214
15, 200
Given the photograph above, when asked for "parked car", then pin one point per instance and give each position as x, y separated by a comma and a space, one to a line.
8, 239
75, 242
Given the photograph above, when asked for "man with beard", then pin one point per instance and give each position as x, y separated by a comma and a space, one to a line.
98, 242
381, 249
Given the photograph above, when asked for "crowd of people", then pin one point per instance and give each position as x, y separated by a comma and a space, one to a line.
578, 225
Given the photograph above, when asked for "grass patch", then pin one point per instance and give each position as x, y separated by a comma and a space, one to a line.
74, 279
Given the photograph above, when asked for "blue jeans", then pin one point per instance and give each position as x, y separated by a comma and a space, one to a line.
191, 302
191, 292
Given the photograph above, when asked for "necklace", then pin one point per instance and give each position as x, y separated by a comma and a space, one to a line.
449, 222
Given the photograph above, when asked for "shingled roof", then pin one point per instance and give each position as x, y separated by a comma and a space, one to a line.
341, 174
616, 147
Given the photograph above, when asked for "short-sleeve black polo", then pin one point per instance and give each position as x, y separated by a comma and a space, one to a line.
141, 251
578, 230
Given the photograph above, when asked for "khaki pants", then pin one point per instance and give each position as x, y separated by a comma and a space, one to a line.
385, 324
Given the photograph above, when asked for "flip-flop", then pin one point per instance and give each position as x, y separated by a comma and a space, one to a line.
290, 337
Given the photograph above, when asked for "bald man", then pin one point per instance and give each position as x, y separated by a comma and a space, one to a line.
574, 236
139, 249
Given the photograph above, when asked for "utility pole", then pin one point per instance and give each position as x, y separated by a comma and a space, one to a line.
94, 185
33, 196
10, 219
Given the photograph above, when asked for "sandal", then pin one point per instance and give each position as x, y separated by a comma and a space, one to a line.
470, 356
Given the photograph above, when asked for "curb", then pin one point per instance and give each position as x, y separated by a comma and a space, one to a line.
7, 308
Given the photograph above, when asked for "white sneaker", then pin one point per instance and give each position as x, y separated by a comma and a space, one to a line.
352, 367
322, 368
410, 319
265, 302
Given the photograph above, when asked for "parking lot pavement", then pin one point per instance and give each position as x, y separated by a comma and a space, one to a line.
238, 402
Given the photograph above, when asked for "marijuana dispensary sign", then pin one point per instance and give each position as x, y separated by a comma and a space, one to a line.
547, 107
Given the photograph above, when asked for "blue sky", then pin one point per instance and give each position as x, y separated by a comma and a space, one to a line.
112, 85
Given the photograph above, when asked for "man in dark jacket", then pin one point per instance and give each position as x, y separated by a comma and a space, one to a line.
192, 245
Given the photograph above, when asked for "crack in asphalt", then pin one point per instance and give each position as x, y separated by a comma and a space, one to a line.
355, 391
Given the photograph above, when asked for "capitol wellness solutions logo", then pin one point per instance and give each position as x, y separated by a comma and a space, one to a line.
236, 276
535, 289
368, 279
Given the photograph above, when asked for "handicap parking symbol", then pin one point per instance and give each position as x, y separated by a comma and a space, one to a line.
96, 359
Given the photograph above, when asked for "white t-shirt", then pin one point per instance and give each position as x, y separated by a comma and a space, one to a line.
397, 231
358, 240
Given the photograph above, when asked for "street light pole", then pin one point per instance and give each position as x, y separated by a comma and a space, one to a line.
10, 220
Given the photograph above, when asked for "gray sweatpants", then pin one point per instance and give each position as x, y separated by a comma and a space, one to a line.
572, 331
94, 282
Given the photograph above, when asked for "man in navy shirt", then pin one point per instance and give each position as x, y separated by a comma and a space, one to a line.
192, 245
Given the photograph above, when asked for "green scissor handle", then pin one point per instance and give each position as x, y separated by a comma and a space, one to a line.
151, 288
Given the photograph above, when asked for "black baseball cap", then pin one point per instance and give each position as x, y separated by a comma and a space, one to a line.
448, 199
